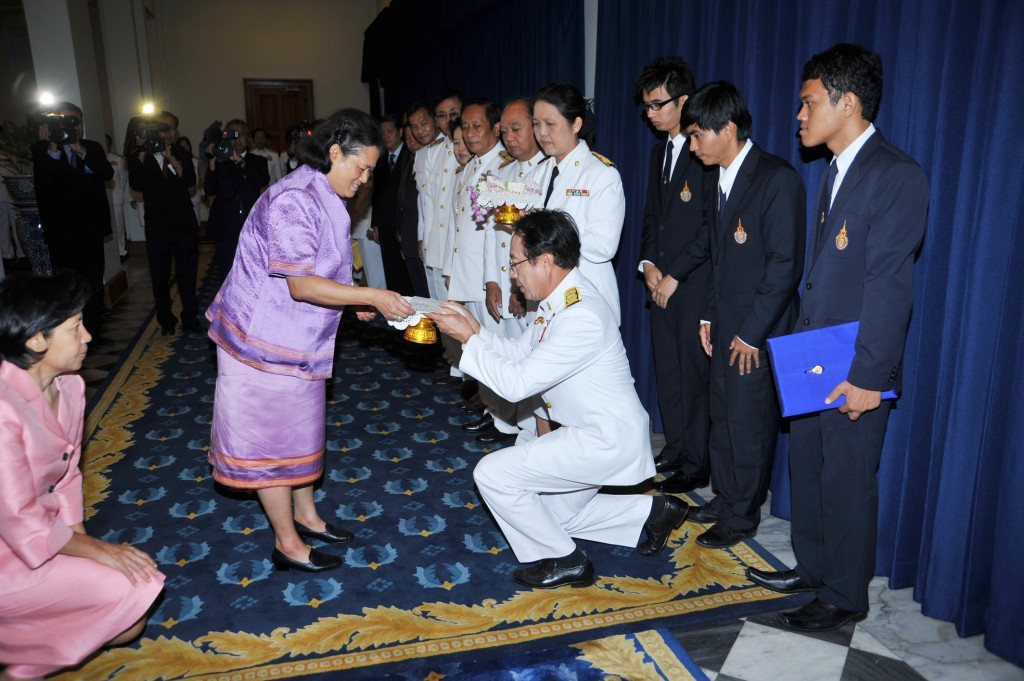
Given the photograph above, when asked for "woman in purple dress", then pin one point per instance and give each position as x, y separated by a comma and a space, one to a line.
274, 321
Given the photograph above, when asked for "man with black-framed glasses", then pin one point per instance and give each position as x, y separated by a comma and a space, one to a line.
672, 220
546, 493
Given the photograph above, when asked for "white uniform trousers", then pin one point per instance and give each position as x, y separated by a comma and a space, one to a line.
373, 264
452, 348
540, 514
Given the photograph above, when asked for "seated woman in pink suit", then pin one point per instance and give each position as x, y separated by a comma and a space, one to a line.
275, 320
63, 594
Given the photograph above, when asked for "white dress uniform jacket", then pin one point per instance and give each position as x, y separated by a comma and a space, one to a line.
497, 240
465, 261
574, 358
424, 169
590, 191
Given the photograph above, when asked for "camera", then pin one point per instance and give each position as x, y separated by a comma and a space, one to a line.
220, 139
62, 128
150, 130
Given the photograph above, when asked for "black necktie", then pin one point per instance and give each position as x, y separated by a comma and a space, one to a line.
721, 208
391, 161
666, 172
830, 183
551, 185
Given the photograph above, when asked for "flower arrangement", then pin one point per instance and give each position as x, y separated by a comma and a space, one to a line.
491, 192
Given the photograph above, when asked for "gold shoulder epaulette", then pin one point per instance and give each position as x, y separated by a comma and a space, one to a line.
603, 159
572, 296
433, 144
459, 169
506, 158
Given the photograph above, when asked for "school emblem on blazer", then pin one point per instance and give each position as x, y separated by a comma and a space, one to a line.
686, 194
740, 235
842, 240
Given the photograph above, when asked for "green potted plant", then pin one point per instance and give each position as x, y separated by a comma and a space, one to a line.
16, 169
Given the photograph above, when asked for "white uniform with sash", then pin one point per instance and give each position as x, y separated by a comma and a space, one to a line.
546, 492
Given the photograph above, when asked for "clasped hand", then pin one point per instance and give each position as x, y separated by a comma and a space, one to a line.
455, 321
858, 400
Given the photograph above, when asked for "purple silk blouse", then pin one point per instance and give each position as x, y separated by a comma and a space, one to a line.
299, 227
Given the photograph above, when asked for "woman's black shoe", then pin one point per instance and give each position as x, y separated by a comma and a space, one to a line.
318, 561
330, 535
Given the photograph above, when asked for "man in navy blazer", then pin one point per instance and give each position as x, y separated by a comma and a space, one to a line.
673, 215
869, 222
754, 236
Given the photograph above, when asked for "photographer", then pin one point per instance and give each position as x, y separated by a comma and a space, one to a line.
163, 172
70, 173
234, 180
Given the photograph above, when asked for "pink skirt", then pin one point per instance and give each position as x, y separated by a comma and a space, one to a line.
268, 429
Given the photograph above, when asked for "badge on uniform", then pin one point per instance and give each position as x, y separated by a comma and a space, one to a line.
572, 296
842, 240
686, 194
740, 234
577, 192
538, 320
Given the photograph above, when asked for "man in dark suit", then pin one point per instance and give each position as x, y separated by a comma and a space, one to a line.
388, 189
172, 233
234, 184
755, 238
72, 199
673, 215
869, 222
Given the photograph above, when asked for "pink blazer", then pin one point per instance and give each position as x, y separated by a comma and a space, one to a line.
40, 483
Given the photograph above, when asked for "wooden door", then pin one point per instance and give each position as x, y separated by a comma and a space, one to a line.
277, 105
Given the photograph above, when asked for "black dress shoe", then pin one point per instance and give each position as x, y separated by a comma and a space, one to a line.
785, 581
818, 616
472, 407
485, 422
705, 515
721, 536
445, 380
663, 465
192, 326
549, 573
493, 436
468, 389
680, 483
318, 561
330, 535
667, 513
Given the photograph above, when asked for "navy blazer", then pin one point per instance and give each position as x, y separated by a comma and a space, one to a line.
862, 260
757, 251
673, 216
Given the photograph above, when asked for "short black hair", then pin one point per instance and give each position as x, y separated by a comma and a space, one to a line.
240, 123
668, 72
31, 304
449, 93
167, 114
846, 68
570, 102
491, 110
525, 101
390, 118
714, 105
453, 125
68, 106
351, 129
416, 106
550, 231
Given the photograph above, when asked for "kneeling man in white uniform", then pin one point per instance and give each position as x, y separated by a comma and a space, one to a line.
546, 493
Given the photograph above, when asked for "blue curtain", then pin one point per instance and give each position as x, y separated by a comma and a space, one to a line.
485, 48
950, 523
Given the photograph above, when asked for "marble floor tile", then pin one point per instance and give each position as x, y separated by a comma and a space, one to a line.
764, 653
865, 666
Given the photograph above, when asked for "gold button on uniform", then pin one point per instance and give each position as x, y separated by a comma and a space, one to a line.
456, 248
504, 268
547, 404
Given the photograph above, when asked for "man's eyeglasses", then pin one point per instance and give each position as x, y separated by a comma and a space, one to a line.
514, 264
656, 106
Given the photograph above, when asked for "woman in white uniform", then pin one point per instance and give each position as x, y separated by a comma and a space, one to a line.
584, 184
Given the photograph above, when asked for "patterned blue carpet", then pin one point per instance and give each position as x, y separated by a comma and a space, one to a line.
428, 575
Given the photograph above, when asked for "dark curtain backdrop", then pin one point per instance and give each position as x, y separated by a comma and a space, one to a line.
485, 48
953, 466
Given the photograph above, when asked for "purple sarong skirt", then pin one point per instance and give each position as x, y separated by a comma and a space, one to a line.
268, 429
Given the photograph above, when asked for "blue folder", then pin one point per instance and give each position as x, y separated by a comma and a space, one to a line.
808, 365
